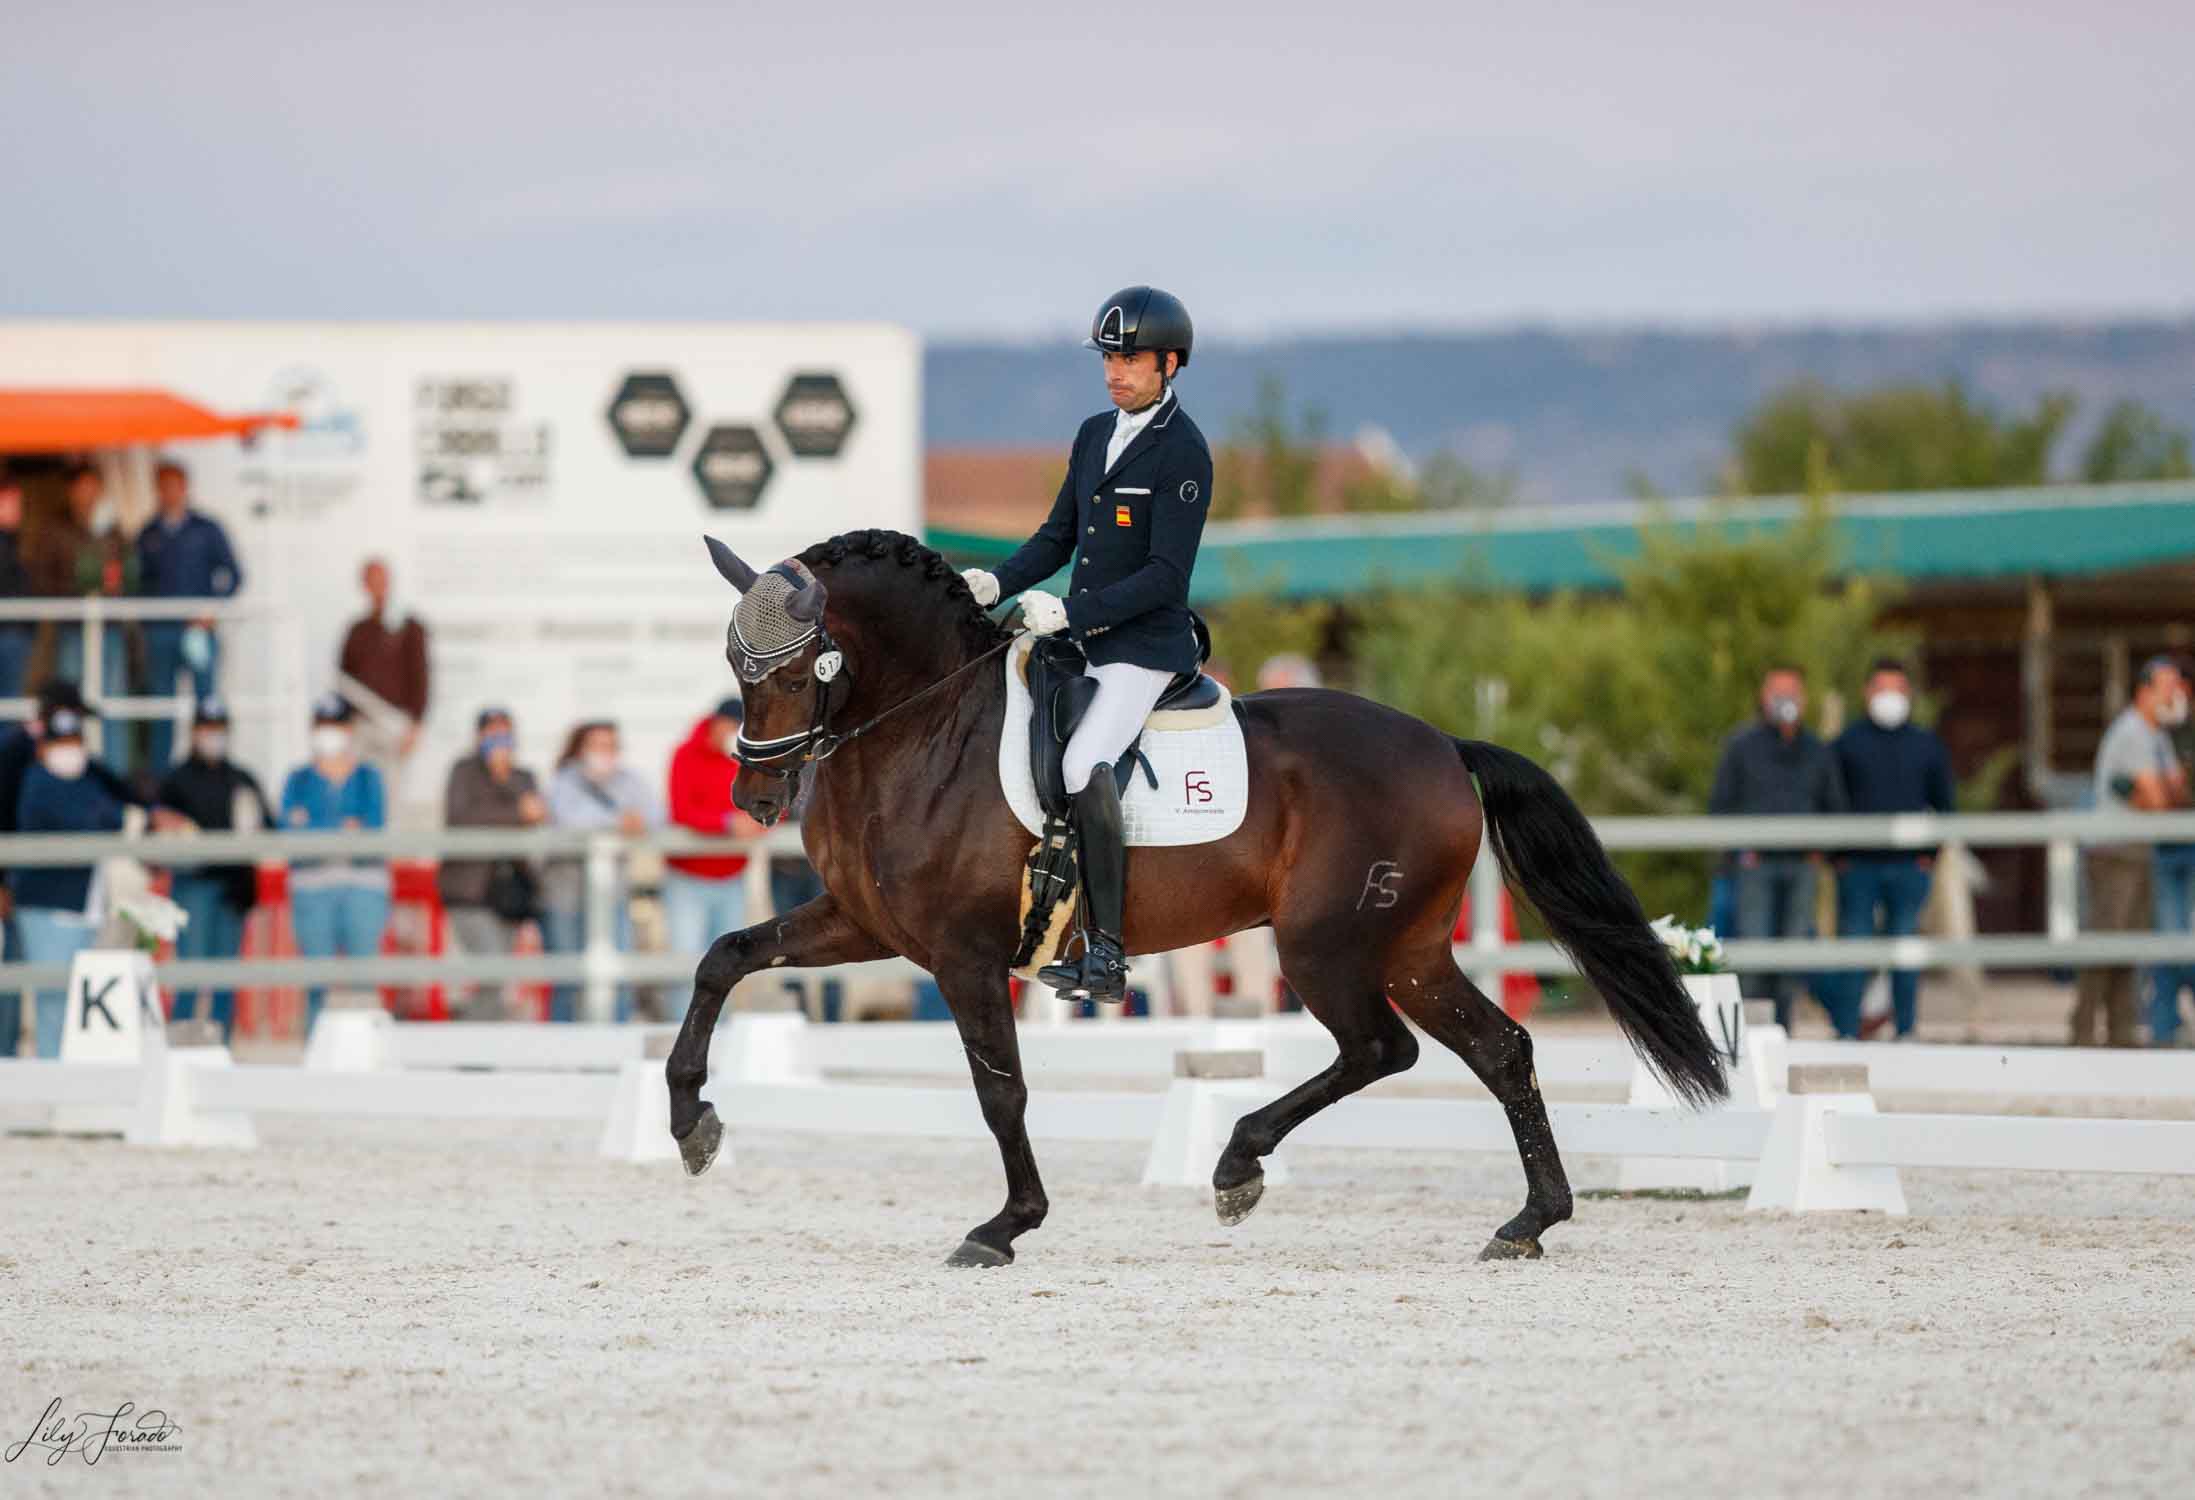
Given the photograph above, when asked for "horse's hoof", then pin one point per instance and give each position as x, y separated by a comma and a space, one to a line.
698, 1147
1498, 1248
974, 1256
1233, 1204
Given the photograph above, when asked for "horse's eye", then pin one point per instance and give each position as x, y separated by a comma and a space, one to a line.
796, 684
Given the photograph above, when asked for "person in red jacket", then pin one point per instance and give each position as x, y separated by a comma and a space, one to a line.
704, 896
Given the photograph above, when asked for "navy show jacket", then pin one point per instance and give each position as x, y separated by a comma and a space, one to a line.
1133, 530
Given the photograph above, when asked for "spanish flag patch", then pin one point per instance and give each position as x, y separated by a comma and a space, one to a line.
1121, 516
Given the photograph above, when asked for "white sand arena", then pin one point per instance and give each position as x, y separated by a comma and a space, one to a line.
368, 1308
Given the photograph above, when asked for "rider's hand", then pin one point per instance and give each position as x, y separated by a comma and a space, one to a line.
1042, 612
982, 585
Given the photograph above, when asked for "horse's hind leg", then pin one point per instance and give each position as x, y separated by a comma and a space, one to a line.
1342, 990
1457, 1014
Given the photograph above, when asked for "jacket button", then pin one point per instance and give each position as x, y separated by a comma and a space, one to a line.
1093, 531
1086, 561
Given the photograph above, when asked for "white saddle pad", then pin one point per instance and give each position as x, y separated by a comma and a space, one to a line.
1203, 771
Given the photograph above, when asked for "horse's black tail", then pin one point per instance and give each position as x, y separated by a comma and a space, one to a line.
1551, 855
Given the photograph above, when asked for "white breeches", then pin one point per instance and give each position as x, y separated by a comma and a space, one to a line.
1125, 696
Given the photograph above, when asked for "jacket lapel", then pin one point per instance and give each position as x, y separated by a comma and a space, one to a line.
1142, 440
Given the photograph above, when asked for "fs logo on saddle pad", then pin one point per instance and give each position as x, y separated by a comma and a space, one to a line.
1203, 770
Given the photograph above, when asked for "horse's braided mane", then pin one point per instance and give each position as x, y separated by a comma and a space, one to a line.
976, 626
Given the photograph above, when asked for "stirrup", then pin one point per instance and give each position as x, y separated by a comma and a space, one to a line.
1100, 974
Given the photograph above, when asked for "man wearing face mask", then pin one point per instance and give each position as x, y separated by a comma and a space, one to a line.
1889, 765
60, 797
488, 899
339, 906
209, 791
2137, 770
1775, 768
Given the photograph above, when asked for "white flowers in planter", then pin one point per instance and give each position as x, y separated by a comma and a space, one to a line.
155, 919
1696, 949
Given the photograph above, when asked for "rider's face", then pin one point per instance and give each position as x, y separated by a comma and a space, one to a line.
1133, 380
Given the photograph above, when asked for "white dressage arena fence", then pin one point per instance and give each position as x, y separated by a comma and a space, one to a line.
1820, 1144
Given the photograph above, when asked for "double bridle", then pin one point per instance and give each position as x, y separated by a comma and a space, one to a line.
818, 742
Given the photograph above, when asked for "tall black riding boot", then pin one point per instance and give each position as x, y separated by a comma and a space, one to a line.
1101, 972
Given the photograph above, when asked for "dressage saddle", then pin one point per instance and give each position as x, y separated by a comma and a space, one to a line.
1060, 694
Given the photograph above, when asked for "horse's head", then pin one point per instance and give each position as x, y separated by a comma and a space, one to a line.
786, 663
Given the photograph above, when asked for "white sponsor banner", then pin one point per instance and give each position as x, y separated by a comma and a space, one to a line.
539, 491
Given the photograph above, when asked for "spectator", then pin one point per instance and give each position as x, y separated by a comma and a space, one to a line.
703, 897
181, 554
79, 555
59, 796
2136, 771
487, 899
593, 789
386, 653
15, 635
2174, 874
210, 791
338, 906
1775, 768
1889, 765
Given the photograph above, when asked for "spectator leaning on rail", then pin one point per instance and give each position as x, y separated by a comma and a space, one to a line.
207, 790
703, 897
1889, 765
2174, 873
385, 652
181, 554
338, 906
60, 796
15, 635
1775, 768
488, 899
18, 753
594, 789
2136, 771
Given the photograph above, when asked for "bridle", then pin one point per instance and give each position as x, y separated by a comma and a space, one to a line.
788, 753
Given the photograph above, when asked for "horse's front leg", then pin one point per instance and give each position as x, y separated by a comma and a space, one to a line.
812, 936
983, 1009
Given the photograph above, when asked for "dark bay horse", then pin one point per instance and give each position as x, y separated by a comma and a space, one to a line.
920, 856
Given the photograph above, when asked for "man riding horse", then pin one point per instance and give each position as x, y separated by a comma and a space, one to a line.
1130, 511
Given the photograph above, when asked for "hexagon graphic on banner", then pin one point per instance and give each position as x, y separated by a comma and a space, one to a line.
815, 415
649, 415
732, 468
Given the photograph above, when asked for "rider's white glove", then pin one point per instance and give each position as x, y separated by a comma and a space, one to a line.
1042, 612
982, 585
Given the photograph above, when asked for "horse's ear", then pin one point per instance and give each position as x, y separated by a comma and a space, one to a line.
736, 573
807, 604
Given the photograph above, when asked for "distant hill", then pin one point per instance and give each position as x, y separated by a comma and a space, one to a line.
1572, 412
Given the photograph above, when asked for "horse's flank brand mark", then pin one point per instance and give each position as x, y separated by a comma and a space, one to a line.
1379, 886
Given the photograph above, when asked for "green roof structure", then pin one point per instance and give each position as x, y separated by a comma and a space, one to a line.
2052, 531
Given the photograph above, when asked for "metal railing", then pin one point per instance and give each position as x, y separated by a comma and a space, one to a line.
599, 968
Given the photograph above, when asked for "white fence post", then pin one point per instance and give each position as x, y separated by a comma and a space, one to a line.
598, 1001
1198, 1118
1795, 1170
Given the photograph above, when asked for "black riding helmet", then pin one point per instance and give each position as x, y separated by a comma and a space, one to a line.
1137, 318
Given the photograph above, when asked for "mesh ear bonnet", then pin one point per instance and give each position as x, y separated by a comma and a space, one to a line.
765, 634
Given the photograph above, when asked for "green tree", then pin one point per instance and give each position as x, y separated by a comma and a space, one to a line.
1898, 437
1271, 463
2135, 443
1250, 629
1628, 699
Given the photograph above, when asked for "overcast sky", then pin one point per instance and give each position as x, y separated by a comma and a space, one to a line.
997, 168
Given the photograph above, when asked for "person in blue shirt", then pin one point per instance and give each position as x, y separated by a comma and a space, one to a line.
59, 796
181, 554
1889, 765
338, 906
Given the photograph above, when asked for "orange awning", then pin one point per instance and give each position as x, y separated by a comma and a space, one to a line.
65, 421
